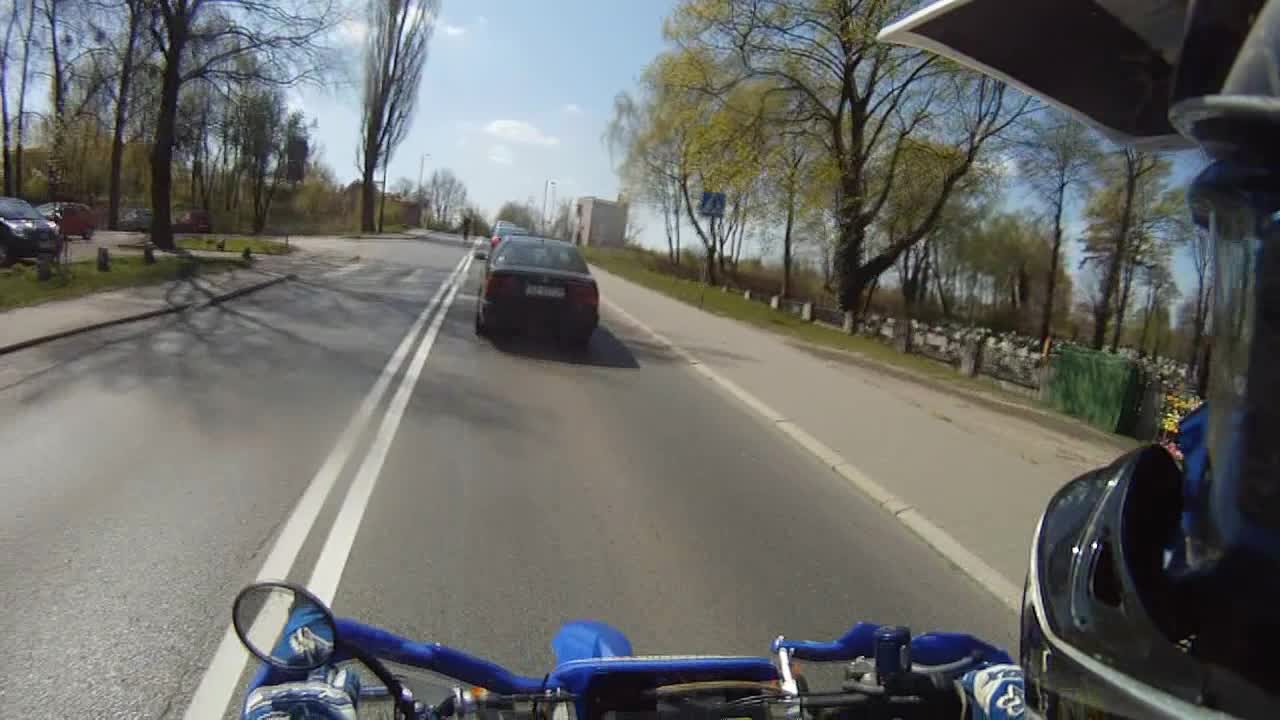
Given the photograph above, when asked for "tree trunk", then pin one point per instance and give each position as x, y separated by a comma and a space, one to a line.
675, 216
1051, 280
1117, 261
22, 97
786, 246
1122, 306
368, 171
162, 153
382, 200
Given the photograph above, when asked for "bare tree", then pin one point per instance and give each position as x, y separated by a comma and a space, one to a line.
24, 73
1056, 155
1134, 166
395, 53
135, 15
14, 16
446, 195
277, 42
1200, 247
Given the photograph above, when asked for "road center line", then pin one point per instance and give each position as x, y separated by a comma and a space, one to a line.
220, 681
337, 547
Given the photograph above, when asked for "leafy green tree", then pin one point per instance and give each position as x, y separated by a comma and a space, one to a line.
864, 100
1057, 156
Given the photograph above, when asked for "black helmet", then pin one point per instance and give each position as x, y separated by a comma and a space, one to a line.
1155, 592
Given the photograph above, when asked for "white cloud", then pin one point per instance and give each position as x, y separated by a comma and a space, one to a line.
453, 30
500, 154
573, 109
482, 20
518, 131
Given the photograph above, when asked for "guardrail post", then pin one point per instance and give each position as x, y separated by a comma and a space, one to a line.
806, 312
746, 294
775, 302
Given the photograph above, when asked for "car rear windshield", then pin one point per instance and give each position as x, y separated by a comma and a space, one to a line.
15, 209
550, 255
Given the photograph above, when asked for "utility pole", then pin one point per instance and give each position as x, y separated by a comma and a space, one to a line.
422, 193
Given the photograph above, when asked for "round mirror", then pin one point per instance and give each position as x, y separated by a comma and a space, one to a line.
284, 625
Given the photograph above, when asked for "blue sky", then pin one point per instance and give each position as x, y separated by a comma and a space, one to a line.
517, 93
514, 94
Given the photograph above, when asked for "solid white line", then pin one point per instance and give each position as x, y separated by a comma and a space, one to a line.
414, 276
343, 270
220, 680
937, 538
337, 547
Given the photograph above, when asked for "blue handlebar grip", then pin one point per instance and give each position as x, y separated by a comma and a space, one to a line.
935, 648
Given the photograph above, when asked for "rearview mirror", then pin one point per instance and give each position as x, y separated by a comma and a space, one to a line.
284, 626
480, 255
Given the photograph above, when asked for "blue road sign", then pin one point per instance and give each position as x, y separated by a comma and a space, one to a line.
712, 204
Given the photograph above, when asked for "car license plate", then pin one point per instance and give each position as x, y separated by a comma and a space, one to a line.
547, 291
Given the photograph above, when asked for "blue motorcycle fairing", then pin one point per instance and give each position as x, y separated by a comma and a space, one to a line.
576, 676
935, 648
585, 639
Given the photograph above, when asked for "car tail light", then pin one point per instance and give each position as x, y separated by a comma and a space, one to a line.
584, 294
498, 285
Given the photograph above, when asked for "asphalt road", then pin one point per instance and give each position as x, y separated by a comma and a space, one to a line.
150, 470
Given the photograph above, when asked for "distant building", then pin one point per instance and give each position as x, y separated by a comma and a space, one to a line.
600, 222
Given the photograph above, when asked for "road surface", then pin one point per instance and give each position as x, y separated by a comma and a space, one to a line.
491, 492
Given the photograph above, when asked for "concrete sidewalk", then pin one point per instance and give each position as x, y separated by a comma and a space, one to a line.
25, 323
983, 476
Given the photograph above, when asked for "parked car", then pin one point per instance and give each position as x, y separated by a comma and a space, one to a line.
192, 221
135, 219
71, 218
24, 232
502, 230
538, 283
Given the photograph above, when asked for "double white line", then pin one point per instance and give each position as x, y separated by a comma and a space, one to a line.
221, 679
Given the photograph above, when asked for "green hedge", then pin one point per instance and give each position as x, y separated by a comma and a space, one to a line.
1099, 388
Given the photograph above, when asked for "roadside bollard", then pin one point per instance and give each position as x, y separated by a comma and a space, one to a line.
247, 254
44, 267
148, 255
104, 260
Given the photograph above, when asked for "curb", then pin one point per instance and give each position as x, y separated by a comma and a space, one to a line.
181, 307
940, 540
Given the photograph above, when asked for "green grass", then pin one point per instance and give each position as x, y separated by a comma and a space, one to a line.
734, 305
236, 244
19, 286
633, 266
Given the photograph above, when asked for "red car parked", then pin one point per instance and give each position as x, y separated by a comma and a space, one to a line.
192, 221
71, 218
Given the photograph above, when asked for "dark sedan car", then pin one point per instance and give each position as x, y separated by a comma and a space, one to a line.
533, 283
24, 232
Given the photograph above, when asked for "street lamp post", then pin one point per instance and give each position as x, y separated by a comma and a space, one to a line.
422, 163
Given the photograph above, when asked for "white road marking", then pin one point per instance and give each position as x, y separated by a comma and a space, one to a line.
220, 681
414, 277
975, 567
337, 547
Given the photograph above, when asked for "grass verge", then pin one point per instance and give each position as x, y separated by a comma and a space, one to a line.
236, 244
19, 286
865, 351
